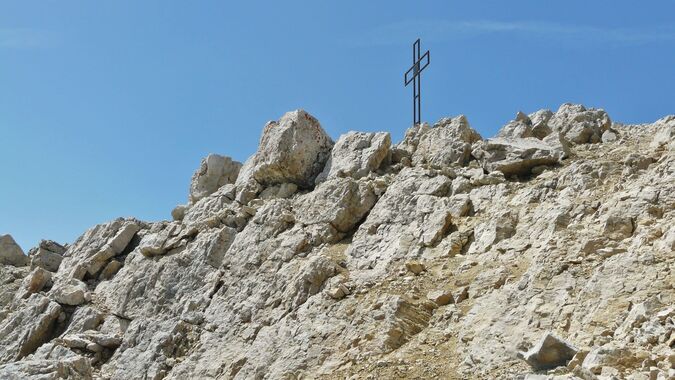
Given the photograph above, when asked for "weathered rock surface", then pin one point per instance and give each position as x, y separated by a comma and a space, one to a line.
356, 154
445, 256
549, 353
47, 255
447, 142
292, 150
214, 172
11, 253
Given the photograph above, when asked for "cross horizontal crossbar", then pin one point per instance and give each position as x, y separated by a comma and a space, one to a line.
416, 65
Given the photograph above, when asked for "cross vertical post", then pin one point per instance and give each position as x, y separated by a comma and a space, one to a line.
416, 78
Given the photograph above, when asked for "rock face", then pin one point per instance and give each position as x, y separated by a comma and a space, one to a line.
11, 253
444, 256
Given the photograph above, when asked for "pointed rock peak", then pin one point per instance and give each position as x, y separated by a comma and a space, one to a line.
522, 117
11, 253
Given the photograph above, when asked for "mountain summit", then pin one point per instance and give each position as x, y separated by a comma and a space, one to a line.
546, 252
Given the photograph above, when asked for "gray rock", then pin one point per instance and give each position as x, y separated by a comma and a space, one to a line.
550, 352
11, 253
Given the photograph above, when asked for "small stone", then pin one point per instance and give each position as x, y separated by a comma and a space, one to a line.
415, 267
608, 136
461, 294
440, 297
178, 213
109, 271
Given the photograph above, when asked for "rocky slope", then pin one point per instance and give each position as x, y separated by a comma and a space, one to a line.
545, 252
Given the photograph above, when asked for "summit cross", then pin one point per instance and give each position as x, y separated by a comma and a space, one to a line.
416, 78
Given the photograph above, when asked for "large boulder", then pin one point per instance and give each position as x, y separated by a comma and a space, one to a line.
214, 172
448, 142
518, 156
356, 154
578, 124
292, 150
11, 253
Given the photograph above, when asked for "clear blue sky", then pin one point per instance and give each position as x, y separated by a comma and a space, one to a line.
106, 107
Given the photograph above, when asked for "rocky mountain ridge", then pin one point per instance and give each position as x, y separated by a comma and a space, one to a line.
546, 252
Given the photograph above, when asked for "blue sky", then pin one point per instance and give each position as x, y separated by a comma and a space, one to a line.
107, 107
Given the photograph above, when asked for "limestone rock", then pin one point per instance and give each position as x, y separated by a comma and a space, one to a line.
448, 142
550, 352
35, 281
48, 255
618, 227
11, 253
73, 292
292, 150
356, 154
578, 124
493, 231
665, 135
420, 268
214, 172
520, 127
539, 120
440, 297
28, 328
415, 267
519, 156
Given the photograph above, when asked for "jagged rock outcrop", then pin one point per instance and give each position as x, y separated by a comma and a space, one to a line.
11, 253
531, 255
292, 150
356, 154
47, 255
447, 142
214, 172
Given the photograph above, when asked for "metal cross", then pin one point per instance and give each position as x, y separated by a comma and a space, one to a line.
416, 77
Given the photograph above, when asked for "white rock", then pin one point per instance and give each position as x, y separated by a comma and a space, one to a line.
448, 142
214, 172
518, 156
356, 154
292, 150
73, 293
578, 124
